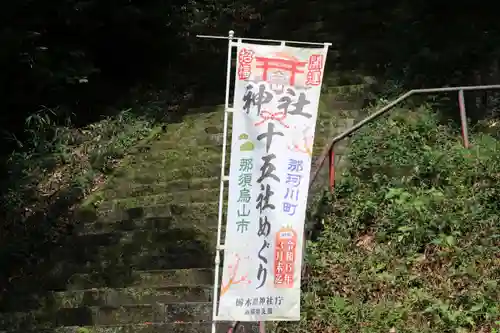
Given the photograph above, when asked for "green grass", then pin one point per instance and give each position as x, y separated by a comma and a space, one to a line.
117, 190
411, 236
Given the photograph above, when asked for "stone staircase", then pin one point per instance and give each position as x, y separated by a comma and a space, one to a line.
142, 255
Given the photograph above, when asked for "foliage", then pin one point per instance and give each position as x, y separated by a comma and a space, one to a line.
56, 169
79, 57
63, 151
82, 56
411, 235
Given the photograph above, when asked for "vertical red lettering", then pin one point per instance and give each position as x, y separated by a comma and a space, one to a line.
284, 258
245, 58
314, 69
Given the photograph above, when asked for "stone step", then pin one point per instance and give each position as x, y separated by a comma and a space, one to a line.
42, 281
333, 123
163, 152
324, 129
214, 135
150, 224
324, 140
145, 238
117, 189
112, 265
347, 92
161, 255
214, 139
145, 172
341, 148
152, 173
145, 279
206, 123
176, 165
184, 248
106, 315
186, 197
179, 327
107, 297
342, 105
127, 211
193, 114
334, 110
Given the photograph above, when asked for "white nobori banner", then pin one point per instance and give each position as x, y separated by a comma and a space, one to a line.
276, 99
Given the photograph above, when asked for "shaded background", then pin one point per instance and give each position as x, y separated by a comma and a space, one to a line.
84, 59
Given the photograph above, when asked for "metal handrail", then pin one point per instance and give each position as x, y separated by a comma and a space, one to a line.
328, 150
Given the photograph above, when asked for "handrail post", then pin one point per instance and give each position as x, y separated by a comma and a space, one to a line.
463, 118
331, 165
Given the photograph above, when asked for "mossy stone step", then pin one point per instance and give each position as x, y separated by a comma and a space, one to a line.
117, 189
188, 312
111, 265
193, 126
347, 92
94, 315
108, 297
197, 327
185, 197
150, 224
212, 137
143, 238
341, 150
147, 173
330, 115
193, 251
144, 279
207, 136
159, 152
130, 210
167, 166
344, 105
340, 147
123, 276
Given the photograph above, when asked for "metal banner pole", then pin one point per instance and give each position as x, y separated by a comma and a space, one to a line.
223, 178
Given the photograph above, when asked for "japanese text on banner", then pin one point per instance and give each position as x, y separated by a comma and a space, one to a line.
275, 110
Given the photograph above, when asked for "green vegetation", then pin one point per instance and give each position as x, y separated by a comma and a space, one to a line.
412, 234
51, 174
58, 156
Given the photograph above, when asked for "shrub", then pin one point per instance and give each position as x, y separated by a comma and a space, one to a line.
411, 235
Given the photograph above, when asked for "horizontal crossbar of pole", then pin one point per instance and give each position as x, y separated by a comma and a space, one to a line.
262, 40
